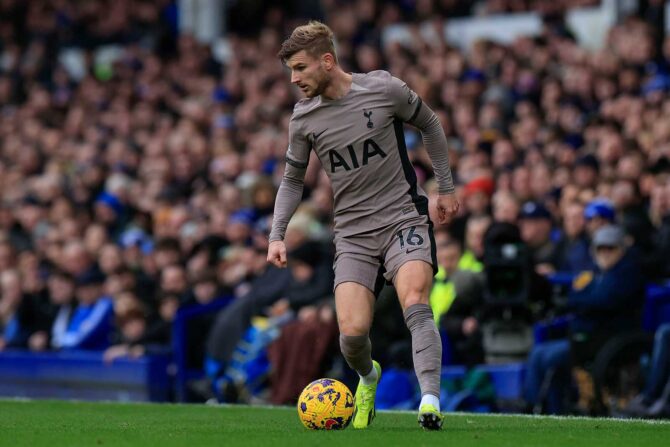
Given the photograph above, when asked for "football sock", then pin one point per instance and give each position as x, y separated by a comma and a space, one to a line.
356, 350
426, 348
430, 400
370, 378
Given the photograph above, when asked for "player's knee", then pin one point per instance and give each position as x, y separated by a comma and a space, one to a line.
415, 297
353, 328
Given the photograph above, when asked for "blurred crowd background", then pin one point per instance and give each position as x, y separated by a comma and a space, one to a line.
140, 180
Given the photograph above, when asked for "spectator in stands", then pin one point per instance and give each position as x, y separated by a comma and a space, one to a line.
134, 337
476, 202
535, 223
658, 262
505, 207
455, 299
131, 325
475, 229
598, 213
303, 352
604, 304
275, 293
12, 334
586, 172
173, 281
572, 252
77, 261
111, 212
205, 291
632, 214
89, 325
654, 401
60, 290
167, 252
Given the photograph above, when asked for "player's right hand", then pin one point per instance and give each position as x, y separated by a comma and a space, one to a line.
277, 254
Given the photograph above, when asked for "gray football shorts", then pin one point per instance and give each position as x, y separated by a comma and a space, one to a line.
373, 258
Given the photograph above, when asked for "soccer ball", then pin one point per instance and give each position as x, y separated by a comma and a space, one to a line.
326, 404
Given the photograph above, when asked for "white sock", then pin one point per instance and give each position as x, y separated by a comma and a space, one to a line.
370, 378
430, 400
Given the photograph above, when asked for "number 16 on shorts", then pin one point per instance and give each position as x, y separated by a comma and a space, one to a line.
409, 236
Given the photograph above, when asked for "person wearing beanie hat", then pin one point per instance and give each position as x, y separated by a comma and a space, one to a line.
110, 201
477, 195
535, 223
110, 211
598, 213
604, 303
586, 172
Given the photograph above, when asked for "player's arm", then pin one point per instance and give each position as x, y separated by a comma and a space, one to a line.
289, 194
411, 109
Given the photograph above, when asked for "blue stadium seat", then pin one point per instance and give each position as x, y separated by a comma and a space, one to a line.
507, 379
180, 343
656, 308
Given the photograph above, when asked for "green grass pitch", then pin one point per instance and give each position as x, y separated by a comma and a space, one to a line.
55, 423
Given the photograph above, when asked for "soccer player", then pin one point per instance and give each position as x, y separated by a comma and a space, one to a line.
354, 124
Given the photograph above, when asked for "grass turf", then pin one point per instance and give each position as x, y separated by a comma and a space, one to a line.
56, 423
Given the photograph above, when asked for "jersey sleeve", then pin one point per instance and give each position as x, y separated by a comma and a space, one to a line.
408, 107
297, 154
290, 190
406, 103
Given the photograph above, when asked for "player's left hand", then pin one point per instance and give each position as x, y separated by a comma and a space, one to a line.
447, 207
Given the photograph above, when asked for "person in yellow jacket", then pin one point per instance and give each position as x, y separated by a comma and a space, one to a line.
454, 298
474, 243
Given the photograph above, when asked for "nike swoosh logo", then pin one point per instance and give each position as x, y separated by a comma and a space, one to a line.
317, 135
411, 250
421, 350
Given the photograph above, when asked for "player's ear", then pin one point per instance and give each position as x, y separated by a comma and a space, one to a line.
327, 61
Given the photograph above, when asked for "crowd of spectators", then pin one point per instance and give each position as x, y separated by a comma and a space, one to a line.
136, 185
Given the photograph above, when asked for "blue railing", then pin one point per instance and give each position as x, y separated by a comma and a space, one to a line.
83, 375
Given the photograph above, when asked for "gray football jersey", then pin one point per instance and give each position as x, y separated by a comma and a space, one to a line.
359, 140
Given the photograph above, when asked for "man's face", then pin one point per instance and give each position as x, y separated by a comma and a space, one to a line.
173, 280
506, 209
593, 224
448, 257
477, 202
573, 220
61, 290
301, 271
88, 294
535, 232
474, 236
606, 256
308, 73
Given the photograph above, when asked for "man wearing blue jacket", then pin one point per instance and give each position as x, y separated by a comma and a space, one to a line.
603, 303
88, 325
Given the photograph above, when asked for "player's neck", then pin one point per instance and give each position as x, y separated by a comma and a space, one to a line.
339, 86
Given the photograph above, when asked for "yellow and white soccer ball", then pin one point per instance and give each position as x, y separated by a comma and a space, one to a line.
326, 404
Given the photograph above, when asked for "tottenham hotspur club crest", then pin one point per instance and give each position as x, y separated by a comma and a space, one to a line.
368, 115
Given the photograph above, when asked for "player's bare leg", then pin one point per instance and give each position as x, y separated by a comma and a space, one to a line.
355, 307
413, 283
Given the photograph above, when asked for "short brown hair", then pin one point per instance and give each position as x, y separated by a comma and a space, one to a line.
315, 38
